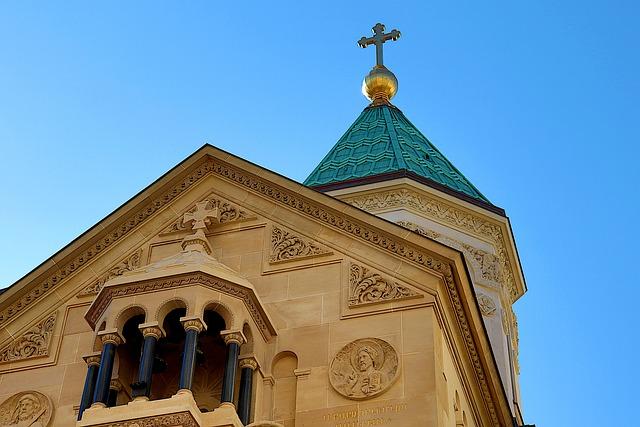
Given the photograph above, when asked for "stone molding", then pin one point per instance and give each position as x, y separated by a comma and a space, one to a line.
247, 296
33, 343
182, 419
130, 263
38, 412
287, 246
309, 208
368, 287
449, 214
227, 212
486, 263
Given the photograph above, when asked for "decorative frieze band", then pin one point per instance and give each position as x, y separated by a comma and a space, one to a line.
128, 264
33, 343
368, 287
182, 419
286, 246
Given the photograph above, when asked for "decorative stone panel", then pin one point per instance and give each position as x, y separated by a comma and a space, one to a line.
130, 263
33, 343
368, 287
287, 246
27, 408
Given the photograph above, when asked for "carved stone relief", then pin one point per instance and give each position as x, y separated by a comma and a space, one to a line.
130, 263
33, 343
487, 263
486, 303
364, 368
182, 419
367, 287
24, 409
287, 246
225, 212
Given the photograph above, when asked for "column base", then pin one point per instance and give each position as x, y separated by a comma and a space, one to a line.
141, 399
98, 405
227, 405
184, 391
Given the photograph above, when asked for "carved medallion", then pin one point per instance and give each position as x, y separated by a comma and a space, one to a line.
364, 368
128, 264
287, 246
487, 305
24, 409
33, 343
367, 287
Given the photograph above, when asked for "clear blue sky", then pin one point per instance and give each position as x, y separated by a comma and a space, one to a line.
536, 102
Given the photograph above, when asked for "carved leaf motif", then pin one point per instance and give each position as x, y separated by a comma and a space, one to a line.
33, 343
487, 305
130, 263
226, 212
286, 246
366, 286
182, 419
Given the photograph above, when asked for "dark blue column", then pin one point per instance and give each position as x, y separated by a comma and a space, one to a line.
233, 341
109, 344
247, 366
93, 363
142, 387
192, 328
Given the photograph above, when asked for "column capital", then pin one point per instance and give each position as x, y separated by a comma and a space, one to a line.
194, 323
115, 384
111, 337
233, 336
151, 329
248, 361
92, 359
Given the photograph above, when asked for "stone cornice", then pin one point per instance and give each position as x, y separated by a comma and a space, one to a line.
298, 199
105, 297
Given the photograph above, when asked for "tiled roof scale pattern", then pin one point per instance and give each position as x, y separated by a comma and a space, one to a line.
383, 140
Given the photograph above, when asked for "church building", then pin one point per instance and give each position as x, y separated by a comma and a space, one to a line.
377, 293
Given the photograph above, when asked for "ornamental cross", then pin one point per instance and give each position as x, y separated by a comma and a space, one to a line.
201, 216
378, 39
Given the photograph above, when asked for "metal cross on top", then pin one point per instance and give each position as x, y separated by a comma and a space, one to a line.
379, 37
201, 216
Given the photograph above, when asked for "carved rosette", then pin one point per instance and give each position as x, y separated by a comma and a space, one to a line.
33, 343
286, 246
128, 264
27, 408
368, 287
487, 305
225, 213
364, 368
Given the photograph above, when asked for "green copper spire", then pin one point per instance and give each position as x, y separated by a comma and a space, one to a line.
383, 144
383, 141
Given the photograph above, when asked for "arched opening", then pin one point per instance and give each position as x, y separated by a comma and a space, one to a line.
128, 357
210, 359
166, 366
284, 402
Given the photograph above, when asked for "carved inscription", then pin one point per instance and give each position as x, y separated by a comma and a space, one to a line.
367, 417
128, 264
28, 408
33, 343
287, 246
366, 287
364, 368
224, 212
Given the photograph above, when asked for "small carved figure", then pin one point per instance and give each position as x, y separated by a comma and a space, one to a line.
28, 411
364, 368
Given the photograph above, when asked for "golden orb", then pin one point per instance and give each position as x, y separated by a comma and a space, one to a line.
380, 85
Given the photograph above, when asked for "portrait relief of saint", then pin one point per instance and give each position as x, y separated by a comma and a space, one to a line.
26, 409
364, 368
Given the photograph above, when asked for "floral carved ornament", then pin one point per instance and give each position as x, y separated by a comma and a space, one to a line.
33, 343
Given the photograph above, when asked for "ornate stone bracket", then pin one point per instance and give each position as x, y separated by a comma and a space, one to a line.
130, 263
368, 287
226, 212
286, 246
33, 343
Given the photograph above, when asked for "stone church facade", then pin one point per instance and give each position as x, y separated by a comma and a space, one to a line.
378, 293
